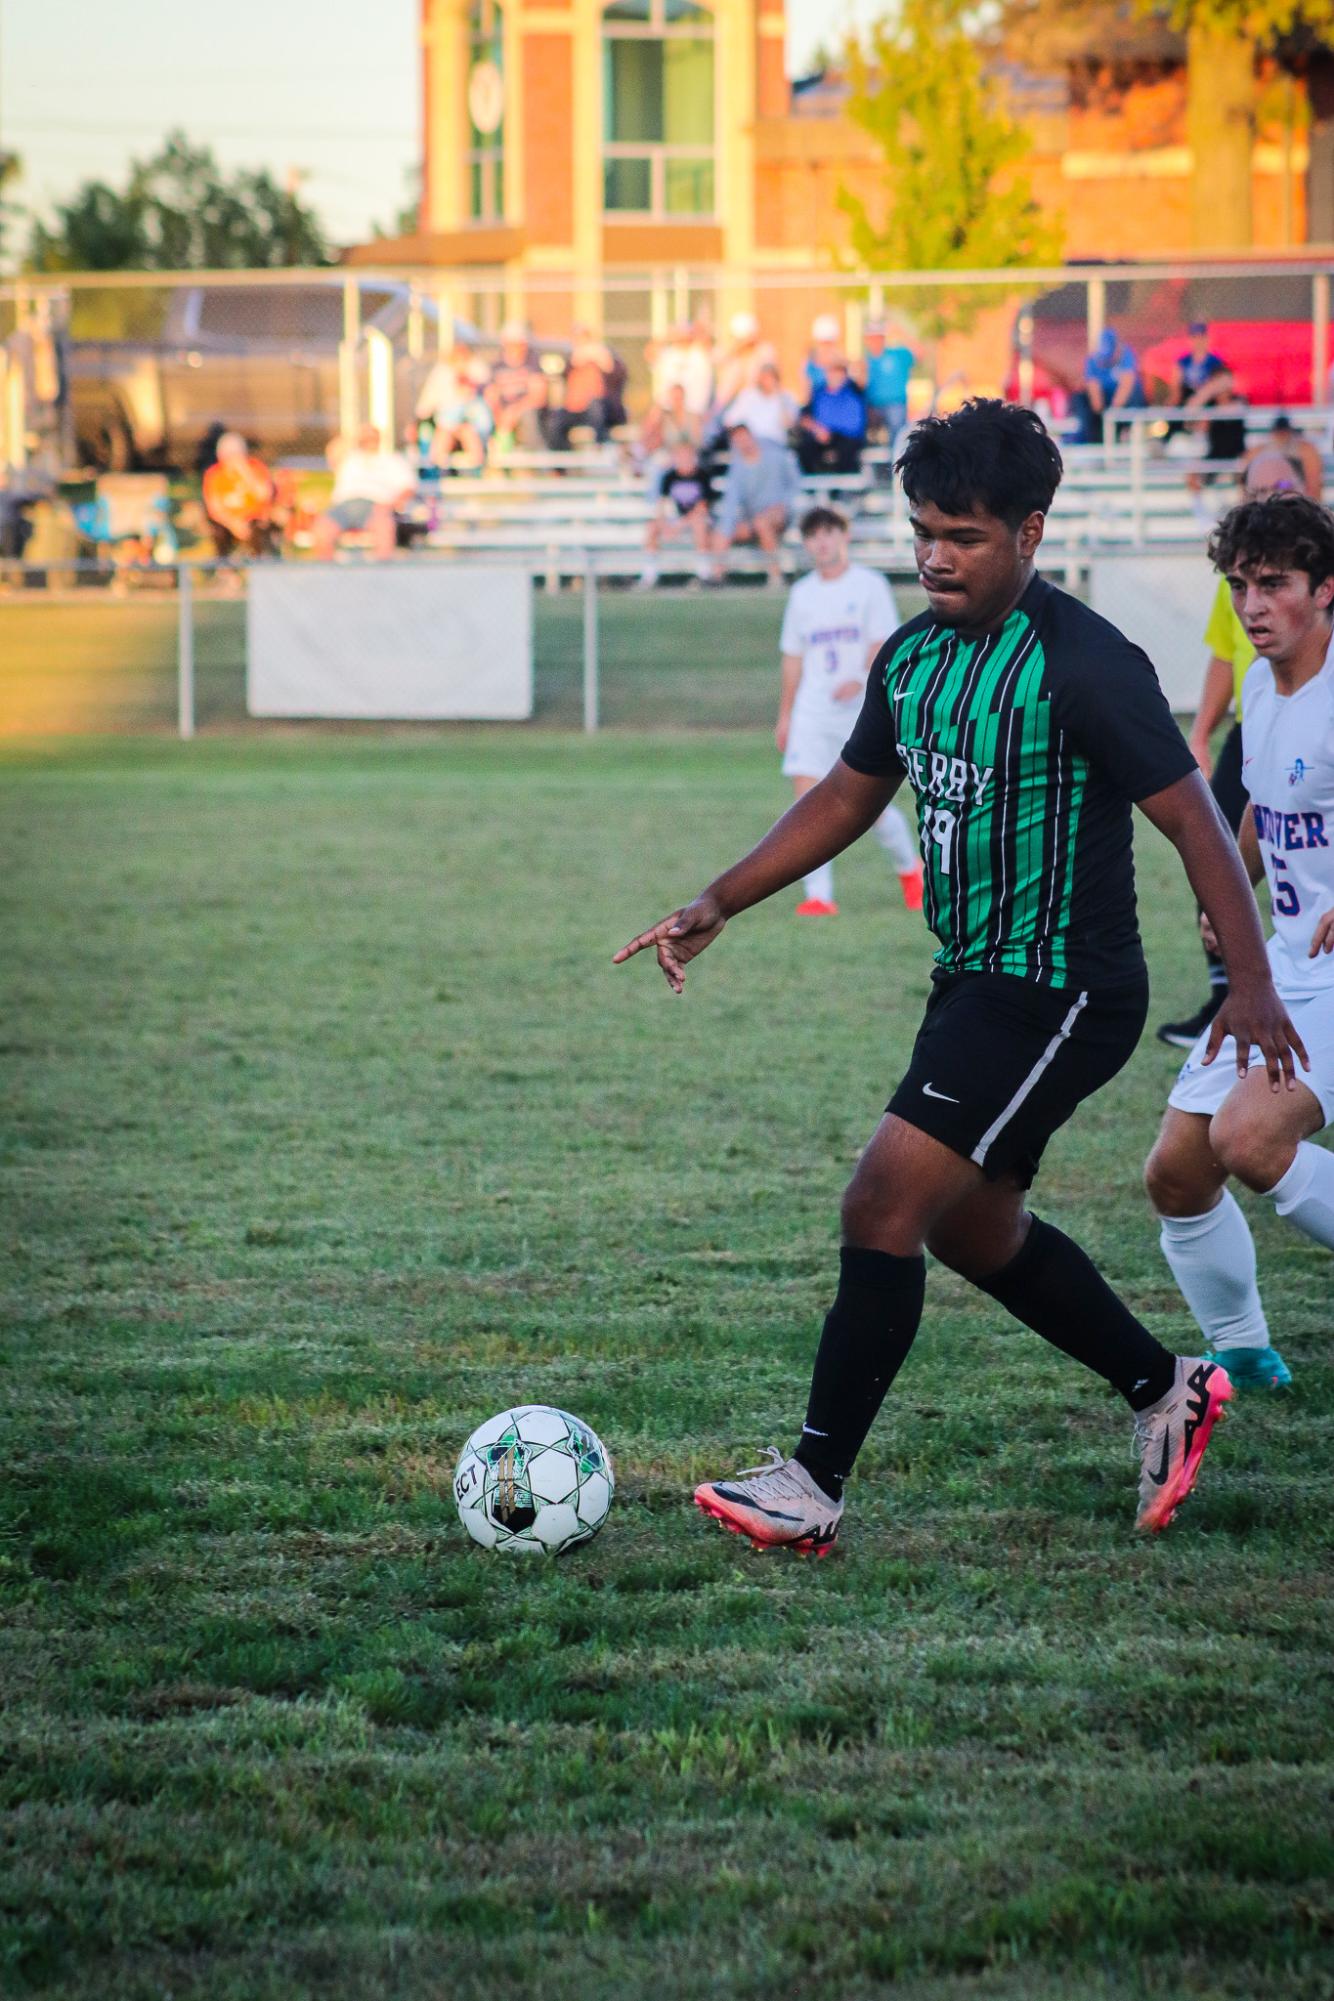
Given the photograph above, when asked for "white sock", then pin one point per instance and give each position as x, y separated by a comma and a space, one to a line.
704, 569
1305, 1195
650, 572
891, 831
820, 884
1213, 1261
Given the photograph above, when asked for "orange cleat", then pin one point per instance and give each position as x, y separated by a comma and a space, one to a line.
1171, 1435
816, 906
778, 1506
910, 882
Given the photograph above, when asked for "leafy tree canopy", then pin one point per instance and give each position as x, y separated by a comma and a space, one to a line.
954, 199
180, 212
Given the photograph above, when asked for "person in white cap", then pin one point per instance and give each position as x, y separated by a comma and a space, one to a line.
740, 363
826, 346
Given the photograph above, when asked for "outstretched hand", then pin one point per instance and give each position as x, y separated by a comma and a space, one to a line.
1257, 1018
678, 939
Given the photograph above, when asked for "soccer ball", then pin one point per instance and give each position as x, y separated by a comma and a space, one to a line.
533, 1478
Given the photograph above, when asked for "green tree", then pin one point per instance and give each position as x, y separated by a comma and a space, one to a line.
953, 197
1223, 39
10, 169
179, 212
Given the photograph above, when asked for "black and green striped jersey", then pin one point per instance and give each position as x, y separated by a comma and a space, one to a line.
1025, 748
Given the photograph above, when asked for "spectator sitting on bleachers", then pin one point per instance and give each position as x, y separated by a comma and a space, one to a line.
1199, 376
685, 498
239, 497
1298, 450
1111, 382
20, 489
765, 408
884, 376
516, 394
370, 486
739, 365
758, 494
826, 346
1202, 379
665, 426
588, 374
453, 402
833, 424
684, 360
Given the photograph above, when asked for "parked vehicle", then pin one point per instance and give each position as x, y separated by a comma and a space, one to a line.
259, 359
1260, 326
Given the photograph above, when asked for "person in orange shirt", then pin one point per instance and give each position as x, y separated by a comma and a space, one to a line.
239, 496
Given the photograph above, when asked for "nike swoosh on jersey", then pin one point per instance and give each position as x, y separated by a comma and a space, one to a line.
927, 1092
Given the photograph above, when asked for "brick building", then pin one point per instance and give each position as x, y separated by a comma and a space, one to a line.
595, 157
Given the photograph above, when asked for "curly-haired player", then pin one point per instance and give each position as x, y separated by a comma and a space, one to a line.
1277, 555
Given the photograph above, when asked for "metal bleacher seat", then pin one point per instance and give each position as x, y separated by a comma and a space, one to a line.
566, 512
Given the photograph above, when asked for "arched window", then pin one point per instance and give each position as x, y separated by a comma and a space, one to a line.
486, 112
658, 116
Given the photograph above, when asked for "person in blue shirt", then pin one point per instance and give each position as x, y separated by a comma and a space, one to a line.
885, 373
1200, 376
832, 427
1111, 382
1201, 380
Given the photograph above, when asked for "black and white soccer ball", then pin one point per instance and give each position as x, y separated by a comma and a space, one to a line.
533, 1479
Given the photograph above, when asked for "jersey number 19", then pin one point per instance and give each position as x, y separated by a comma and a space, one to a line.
940, 827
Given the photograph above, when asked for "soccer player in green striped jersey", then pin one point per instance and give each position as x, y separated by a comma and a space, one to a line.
1026, 727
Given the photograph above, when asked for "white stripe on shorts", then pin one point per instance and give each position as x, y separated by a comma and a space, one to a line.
1030, 1083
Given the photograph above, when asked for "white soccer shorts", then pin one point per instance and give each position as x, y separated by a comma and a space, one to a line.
815, 745
1201, 1089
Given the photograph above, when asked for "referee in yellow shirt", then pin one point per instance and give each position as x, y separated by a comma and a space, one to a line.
1230, 655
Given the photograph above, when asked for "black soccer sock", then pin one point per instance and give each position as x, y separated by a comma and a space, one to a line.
867, 1333
1054, 1288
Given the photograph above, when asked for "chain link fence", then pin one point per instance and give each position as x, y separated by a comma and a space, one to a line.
80, 657
115, 371
113, 388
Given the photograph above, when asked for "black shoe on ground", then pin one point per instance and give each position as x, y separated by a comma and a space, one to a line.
1185, 1034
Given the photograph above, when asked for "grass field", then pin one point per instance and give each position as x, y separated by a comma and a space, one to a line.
331, 1130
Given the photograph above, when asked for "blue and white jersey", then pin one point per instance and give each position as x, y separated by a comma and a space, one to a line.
1288, 770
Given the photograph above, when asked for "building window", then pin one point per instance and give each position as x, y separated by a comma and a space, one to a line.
486, 112
658, 98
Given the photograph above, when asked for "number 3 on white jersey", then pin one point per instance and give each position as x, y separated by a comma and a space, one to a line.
941, 829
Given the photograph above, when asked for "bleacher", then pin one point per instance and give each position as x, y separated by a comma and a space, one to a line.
563, 513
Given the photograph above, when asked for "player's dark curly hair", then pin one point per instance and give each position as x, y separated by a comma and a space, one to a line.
1282, 531
988, 457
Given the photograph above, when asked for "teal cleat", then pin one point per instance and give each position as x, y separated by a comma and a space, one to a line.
1254, 1368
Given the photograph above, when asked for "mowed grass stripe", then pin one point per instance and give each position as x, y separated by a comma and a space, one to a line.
332, 1129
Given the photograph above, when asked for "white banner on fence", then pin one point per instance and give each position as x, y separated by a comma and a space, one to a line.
1162, 602
394, 642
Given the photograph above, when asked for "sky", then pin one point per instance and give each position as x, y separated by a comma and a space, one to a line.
326, 86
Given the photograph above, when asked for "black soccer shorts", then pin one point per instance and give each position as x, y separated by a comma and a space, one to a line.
1000, 1063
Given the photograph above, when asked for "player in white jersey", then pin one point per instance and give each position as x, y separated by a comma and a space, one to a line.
1278, 557
838, 616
